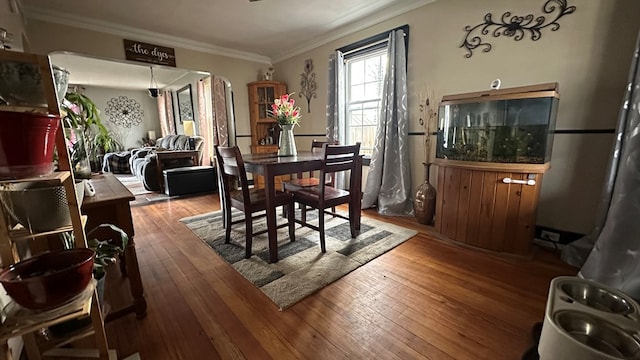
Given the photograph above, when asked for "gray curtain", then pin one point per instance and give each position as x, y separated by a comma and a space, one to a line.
336, 99
612, 251
389, 181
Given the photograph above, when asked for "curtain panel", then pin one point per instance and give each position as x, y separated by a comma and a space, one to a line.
612, 251
165, 113
388, 185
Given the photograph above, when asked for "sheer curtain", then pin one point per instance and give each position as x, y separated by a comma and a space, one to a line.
612, 251
221, 130
389, 181
165, 113
205, 120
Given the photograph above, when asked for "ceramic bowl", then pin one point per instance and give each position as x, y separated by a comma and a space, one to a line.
48, 280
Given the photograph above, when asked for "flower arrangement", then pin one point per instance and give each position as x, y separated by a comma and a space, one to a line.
284, 110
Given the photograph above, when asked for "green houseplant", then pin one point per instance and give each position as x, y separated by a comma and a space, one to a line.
82, 117
107, 252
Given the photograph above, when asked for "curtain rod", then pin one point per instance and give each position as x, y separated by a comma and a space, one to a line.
373, 40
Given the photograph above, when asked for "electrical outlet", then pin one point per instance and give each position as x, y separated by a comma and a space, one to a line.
550, 236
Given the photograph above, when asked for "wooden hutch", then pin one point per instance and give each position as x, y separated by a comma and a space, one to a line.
264, 129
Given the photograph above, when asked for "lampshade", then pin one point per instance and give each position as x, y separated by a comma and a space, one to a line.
188, 126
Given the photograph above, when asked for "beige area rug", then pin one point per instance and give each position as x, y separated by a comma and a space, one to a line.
302, 269
142, 195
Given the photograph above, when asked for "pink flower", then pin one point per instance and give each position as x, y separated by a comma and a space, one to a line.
285, 97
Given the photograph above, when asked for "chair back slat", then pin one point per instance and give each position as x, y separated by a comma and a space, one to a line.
230, 167
338, 158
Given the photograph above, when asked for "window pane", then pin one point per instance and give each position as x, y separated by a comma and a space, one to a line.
364, 84
373, 70
357, 93
372, 91
369, 117
357, 72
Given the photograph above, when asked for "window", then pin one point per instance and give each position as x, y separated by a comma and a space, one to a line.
365, 64
364, 80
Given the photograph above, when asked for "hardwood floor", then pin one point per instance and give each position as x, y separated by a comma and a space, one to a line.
425, 299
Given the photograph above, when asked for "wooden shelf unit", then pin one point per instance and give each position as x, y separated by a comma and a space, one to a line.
261, 97
28, 325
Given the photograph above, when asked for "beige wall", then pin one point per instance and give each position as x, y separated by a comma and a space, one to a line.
45, 38
11, 20
588, 56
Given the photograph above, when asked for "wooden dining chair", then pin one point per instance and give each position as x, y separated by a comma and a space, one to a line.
249, 201
337, 158
300, 181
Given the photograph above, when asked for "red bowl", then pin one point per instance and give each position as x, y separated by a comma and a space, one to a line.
48, 280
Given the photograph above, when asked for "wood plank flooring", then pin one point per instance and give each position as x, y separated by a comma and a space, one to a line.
425, 299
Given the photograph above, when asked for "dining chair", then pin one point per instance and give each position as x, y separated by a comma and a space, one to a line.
336, 159
300, 181
249, 201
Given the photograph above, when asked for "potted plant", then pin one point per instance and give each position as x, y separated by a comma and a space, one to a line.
107, 253
81, 116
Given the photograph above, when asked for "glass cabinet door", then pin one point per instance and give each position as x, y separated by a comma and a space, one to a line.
266, 95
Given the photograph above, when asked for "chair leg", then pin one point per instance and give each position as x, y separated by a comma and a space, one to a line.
248, 222
292, 223
303, 213
352, 223
323, 248
227, 226
333, 210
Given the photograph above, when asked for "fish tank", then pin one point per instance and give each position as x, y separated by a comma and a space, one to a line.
503, 126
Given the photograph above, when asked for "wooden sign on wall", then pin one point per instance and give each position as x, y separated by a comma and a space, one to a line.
149, 53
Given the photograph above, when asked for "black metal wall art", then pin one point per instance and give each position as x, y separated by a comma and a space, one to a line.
515, 26
124, 112
308, 83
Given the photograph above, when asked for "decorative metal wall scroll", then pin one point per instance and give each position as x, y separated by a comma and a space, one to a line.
308, 83
124, 112
515, 26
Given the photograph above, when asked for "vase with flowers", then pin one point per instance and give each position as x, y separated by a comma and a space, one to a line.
285, 111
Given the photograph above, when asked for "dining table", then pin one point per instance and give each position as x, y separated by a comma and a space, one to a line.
271, 165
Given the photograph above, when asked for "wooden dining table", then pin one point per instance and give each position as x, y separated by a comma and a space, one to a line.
272, 165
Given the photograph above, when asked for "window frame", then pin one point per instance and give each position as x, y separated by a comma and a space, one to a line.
366, 46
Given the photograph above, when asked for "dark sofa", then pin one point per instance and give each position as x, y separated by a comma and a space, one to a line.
143, 162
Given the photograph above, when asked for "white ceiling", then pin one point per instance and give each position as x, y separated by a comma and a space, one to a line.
267, 30
264, 31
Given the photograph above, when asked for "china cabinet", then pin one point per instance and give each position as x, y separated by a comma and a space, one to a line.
265, 130
23, 322
493, 148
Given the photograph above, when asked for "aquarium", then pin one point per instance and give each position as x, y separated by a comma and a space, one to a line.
506, 128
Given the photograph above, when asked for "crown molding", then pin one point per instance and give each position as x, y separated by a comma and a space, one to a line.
139, 34
347, 30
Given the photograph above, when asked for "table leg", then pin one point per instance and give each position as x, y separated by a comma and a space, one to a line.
135, 281
270, 193
357, 199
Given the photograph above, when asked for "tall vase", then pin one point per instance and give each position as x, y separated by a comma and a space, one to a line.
424, 203
287, 143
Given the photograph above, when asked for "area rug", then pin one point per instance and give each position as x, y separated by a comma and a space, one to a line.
302, 268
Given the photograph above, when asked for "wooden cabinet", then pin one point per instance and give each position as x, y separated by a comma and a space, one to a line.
493, 148
488, 205
264, 129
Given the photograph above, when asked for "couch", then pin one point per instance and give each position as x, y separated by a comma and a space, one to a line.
143, 162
